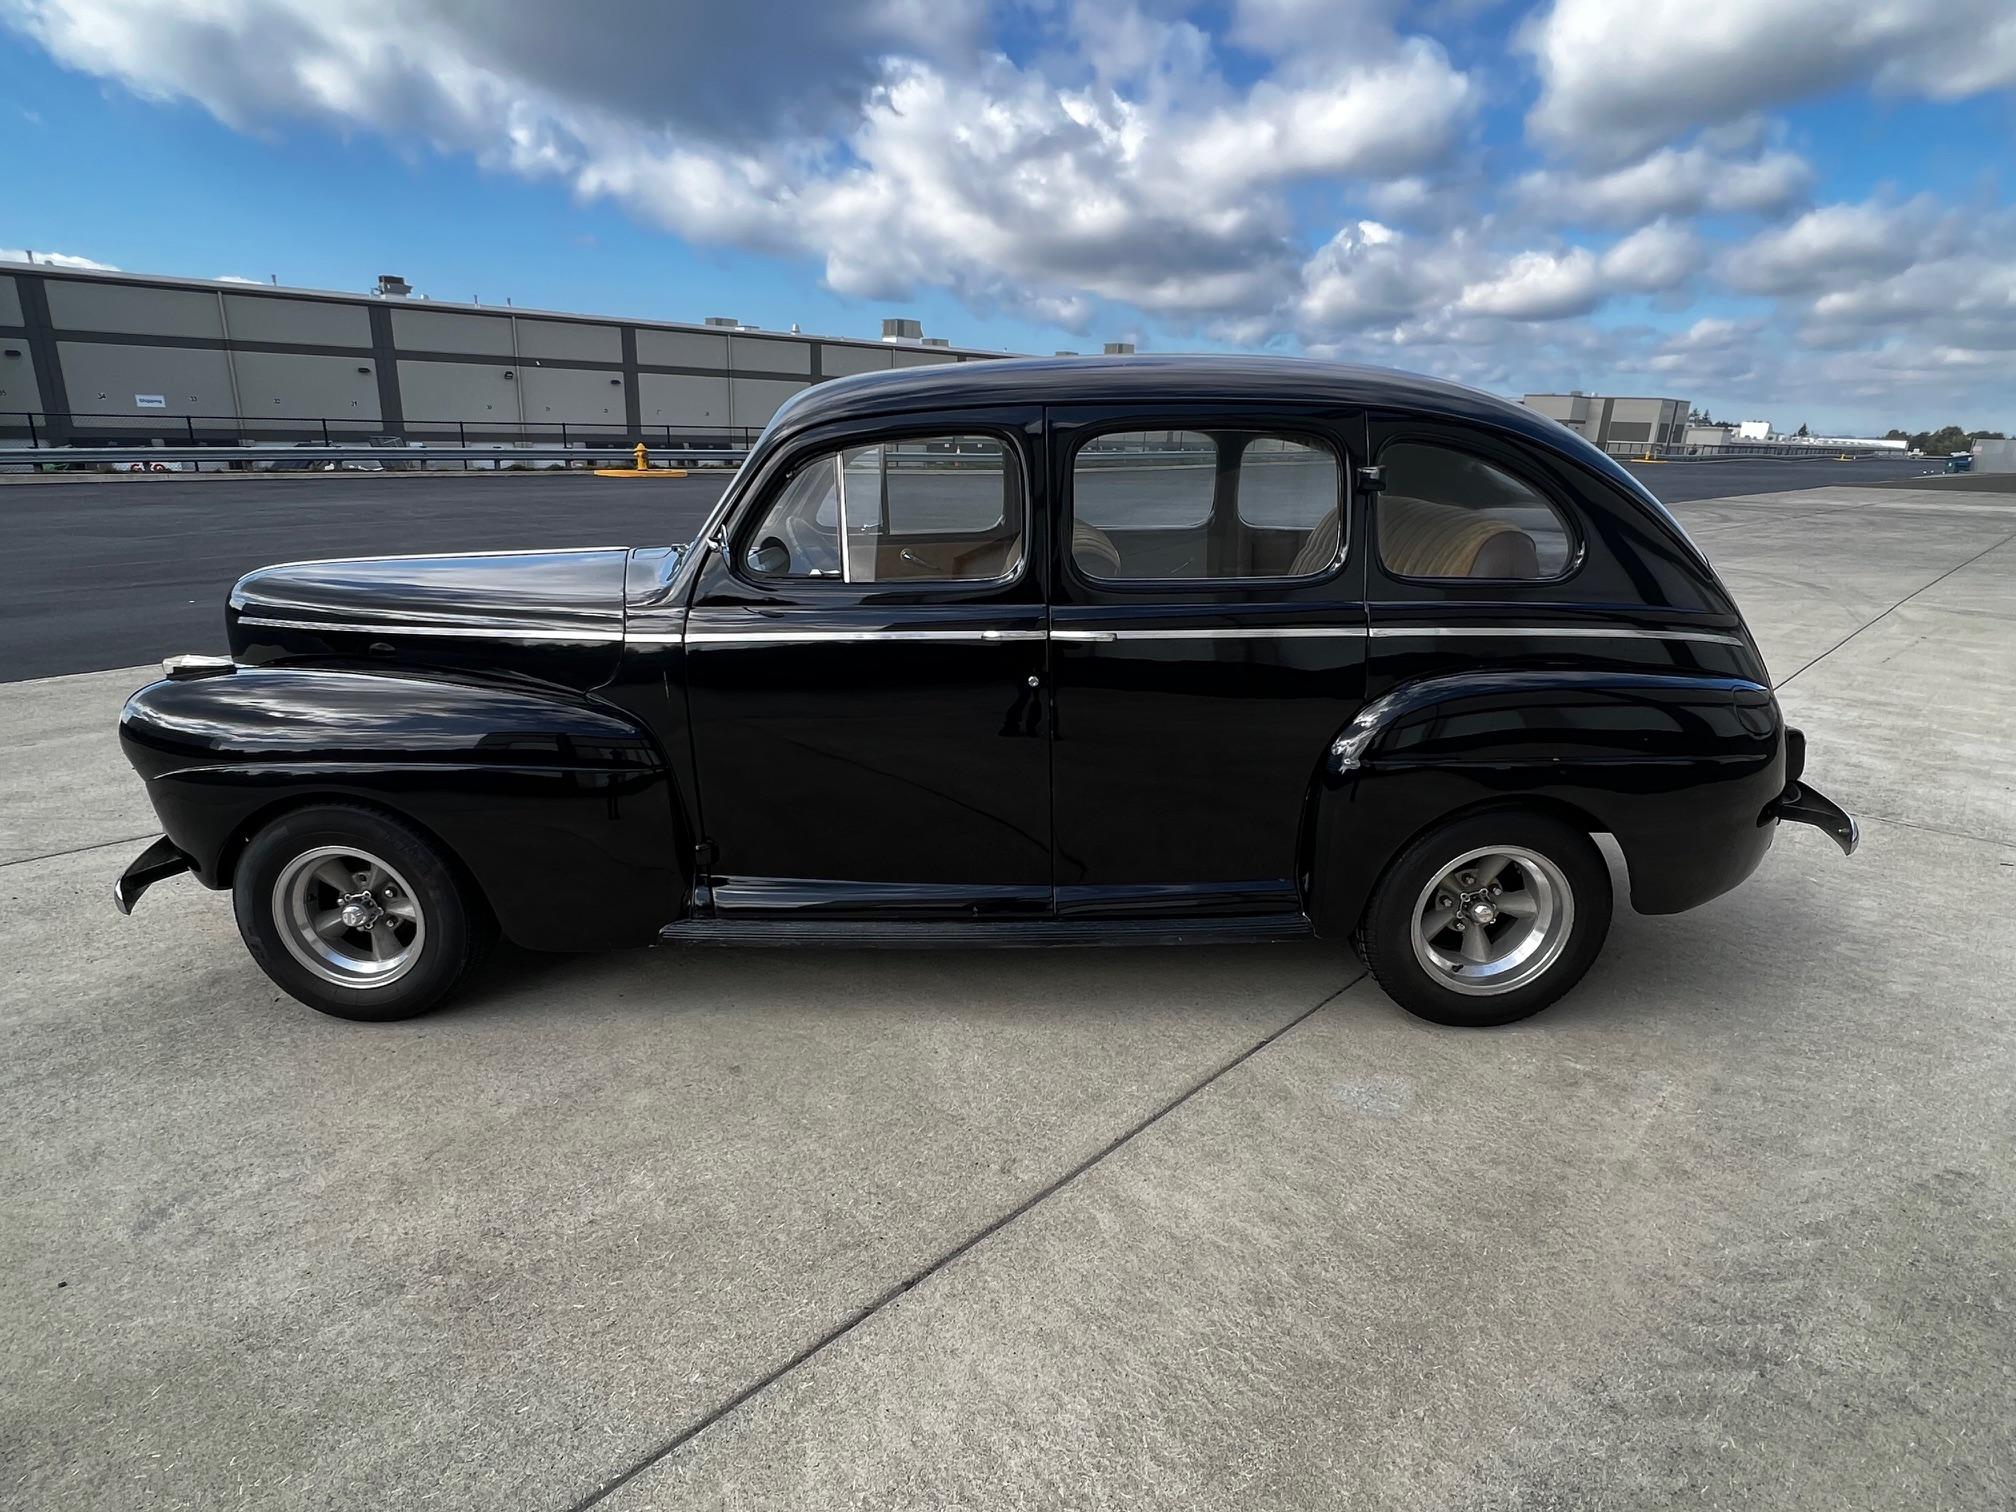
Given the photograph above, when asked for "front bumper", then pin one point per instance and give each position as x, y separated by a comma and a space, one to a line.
157, 863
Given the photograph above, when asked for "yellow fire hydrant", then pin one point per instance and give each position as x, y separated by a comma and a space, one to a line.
641, 454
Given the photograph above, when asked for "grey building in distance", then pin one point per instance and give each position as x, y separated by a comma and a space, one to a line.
1615, 422
110, 357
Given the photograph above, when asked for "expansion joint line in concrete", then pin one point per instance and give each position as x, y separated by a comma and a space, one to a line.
916, 1278
78, 850
1960, 567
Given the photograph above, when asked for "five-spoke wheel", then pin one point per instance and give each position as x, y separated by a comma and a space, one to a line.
1487, 918
356, 912
1493, 920
349, 916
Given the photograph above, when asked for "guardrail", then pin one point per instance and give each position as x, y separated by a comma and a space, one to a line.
1677, 451
296, 458
175, 428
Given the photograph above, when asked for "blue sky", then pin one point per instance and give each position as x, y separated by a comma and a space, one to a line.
1799, 210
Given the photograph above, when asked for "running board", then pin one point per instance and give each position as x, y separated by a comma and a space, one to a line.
986, 934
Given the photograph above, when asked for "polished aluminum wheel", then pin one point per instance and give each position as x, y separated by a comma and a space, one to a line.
348, 916
1493, 920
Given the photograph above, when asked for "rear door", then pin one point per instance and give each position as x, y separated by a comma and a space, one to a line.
865, 668
1208, 635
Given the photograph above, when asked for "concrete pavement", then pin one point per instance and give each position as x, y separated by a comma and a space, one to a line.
1730, 1226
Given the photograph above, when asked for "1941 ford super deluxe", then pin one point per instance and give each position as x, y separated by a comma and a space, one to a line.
1045, 652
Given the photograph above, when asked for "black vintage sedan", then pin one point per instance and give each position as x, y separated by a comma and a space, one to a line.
1071, 652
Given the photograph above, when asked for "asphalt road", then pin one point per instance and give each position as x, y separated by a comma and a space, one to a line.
113, 573
100, 575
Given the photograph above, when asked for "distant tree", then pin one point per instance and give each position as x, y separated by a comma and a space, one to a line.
1949, 439
1893, 434
1986, 436
1802, 431
1698, 416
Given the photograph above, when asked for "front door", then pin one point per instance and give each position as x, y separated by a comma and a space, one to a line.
866, 669
1208, 642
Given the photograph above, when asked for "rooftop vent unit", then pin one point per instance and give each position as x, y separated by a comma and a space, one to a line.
727, 321
392, 286
937, 341
1119, 349
896, 328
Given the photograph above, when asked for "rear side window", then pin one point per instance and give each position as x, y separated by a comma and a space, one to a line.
942, 509
1446, 514
1150, 506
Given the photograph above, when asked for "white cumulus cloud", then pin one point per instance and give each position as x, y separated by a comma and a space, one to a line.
1618, 79
1672, 181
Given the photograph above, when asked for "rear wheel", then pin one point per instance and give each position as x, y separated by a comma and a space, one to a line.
1487, 919
356, 913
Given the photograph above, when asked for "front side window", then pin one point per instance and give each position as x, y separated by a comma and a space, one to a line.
1149, 506
1444, 513
926, 509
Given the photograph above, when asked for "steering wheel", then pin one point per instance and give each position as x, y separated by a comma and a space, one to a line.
812, 550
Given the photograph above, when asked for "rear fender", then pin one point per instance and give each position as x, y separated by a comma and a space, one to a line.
1682, 770
560, 807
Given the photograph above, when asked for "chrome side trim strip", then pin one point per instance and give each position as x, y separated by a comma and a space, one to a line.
1564, 632
425, 556
490, 632
839, 637
1246, 632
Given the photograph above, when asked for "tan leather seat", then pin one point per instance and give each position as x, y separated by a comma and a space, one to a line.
1094, 550
1319, 549
1418, 538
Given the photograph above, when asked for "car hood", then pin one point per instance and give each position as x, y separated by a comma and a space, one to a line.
557, 615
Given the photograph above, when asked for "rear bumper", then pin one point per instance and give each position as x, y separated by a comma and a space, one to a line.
157, 863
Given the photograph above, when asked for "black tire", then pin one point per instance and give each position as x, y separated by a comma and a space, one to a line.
1386, 933
447, 936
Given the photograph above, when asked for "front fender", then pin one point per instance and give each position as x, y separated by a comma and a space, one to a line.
1682, 770
561, 808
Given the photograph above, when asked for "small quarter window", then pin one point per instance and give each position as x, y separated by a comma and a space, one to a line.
1447, 514
942, 509
1149, 506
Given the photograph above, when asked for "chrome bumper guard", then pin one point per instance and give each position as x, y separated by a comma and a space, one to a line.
157, 863
1801, 805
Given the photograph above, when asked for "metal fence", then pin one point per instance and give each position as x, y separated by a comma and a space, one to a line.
313, 457
128, 428
1674, 451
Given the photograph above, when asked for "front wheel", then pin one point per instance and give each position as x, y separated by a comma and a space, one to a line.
356, 913
1487, 919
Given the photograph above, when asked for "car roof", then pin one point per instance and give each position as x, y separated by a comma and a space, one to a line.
1092, 380
1206, 377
